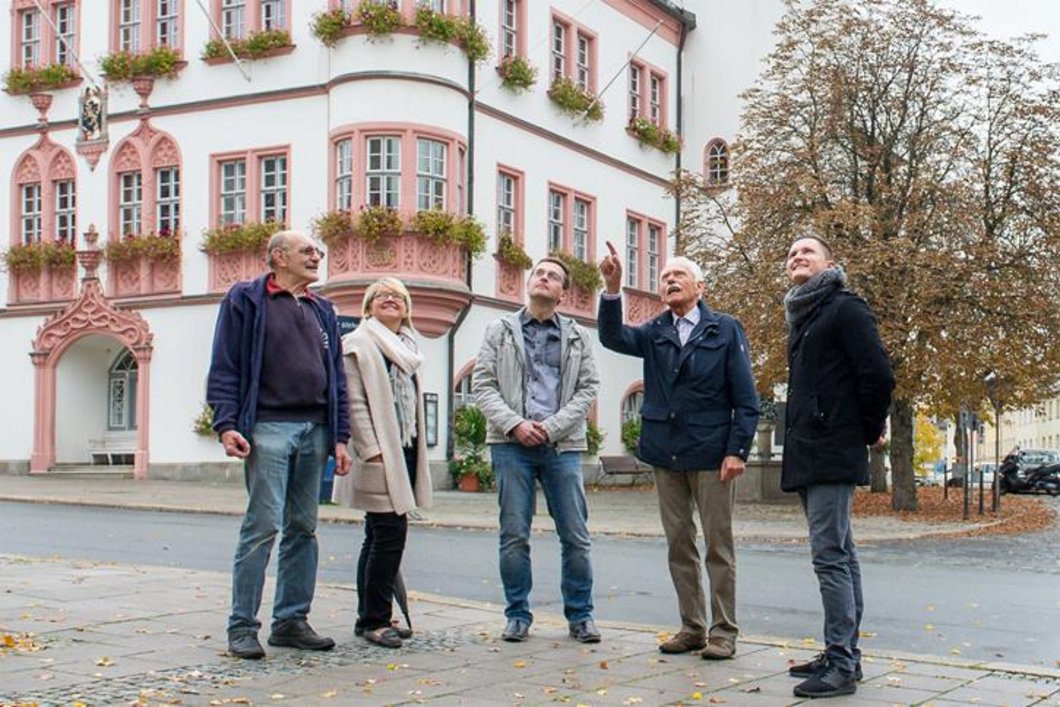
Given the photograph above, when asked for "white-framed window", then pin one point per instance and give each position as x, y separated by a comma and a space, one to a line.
654, 243
557, 208
166, 23
509, 28
29, 34
430, 174
717, 163
505, 204
130, 206
580, 246
121, 392
274, 188
559, 50
167, 201
273, 14
631, 405
31, 213
582, 62
129, 25
64, 36
233, 18
436, 5
383, 173
634, 90
655, 99
461, 173
632, 251
462, 396
344, 175
233, 192
65, 211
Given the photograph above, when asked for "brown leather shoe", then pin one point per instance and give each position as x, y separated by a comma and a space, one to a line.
683, 642
719, 649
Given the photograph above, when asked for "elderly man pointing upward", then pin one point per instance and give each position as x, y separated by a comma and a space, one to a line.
698, 420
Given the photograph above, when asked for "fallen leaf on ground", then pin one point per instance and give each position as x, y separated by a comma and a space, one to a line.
104, 662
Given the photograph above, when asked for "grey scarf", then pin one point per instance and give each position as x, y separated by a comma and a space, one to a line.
802, 299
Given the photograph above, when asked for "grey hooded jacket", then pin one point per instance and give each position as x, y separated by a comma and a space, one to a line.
498, 383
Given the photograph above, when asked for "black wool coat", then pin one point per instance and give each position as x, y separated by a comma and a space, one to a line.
839, 391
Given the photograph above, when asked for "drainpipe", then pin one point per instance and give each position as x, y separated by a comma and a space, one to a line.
469, 196
680, 120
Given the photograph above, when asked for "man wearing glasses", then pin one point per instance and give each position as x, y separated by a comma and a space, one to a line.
278, 393
535, 379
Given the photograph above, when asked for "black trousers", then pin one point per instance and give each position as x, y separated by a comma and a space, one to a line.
380, 560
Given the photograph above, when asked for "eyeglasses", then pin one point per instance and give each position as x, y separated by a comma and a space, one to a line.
549, 274
310, 250
388, 296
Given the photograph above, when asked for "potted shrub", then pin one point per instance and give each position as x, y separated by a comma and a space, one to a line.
575, 101
329, 26
255, 45
582, 274
517, 74
239, 237
442, 28
33, 257
631, 434
469, 468
21, 81
373, 222
155, 63
451, 228
153, 246
648, 133
333, 227
594, 438
378, 18
511, 253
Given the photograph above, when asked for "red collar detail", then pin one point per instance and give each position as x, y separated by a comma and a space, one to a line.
272, 289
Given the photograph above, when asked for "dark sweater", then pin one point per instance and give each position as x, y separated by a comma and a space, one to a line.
294, 376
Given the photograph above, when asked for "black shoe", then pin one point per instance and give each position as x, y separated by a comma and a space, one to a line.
830, 682
585, 632
806, 670
516, 631
245, 645
404, 633
386, 637
297, 633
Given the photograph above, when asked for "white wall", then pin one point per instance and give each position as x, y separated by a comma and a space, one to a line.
81, 381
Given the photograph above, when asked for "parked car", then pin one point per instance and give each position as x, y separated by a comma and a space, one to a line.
1029, 458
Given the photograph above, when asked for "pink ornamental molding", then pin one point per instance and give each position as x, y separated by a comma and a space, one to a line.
90, 313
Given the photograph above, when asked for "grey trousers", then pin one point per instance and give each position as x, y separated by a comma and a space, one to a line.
835, 560
681, 493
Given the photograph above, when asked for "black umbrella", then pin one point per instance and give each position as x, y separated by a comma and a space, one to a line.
401, 596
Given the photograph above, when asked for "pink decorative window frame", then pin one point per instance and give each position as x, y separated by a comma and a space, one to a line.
145, 151
574, 30
45, 163
148, 18
253, 22
567, 245
408, 133
647, 73
520, 28
253, 180
47, 33
644, 282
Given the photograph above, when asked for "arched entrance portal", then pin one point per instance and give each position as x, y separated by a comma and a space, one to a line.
89, 319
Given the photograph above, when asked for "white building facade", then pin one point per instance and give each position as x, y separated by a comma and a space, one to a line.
112, 368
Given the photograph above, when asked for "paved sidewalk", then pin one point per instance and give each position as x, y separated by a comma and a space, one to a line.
108, 634
621, 511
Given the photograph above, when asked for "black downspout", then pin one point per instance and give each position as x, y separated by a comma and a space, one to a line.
680, 123
469, 197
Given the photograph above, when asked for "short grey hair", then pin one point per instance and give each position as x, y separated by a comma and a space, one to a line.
281, 240
688, 265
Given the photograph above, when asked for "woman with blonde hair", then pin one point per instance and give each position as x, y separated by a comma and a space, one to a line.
391, 476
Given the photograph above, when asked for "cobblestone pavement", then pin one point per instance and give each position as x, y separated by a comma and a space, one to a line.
113, 634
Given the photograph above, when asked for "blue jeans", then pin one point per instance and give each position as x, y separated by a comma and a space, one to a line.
835, 560
515, 468
283, 481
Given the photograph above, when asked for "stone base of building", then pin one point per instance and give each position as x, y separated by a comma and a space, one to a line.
760, 483
14, 467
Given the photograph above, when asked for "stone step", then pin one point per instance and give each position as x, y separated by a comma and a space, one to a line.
86, 471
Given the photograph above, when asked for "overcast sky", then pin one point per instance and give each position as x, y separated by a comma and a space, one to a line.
1008, 18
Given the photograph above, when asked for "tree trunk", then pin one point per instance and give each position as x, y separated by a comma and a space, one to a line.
903, 497
960, 469
877, 470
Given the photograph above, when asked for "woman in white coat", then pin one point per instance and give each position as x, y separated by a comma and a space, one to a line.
391, 476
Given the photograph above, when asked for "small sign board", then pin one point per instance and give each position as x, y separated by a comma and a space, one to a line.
347, 324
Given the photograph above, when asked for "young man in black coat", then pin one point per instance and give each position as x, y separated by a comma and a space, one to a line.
839, 390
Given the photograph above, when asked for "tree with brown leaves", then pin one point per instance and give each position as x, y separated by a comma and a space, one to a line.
929, 156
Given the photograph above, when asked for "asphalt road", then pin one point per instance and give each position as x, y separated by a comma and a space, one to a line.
979, 598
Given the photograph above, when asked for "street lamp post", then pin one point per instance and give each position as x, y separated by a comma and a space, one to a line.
993, 382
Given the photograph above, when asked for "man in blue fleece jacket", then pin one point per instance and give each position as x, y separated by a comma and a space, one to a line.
278, 393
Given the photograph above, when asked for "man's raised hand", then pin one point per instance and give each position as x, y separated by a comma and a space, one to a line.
611, 269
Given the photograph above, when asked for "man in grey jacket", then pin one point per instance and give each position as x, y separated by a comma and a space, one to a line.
535, 380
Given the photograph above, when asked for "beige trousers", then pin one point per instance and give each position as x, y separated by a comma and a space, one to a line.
680, 494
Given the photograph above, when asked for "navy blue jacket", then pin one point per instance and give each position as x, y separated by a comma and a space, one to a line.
839, 391
700, 403
235, 369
